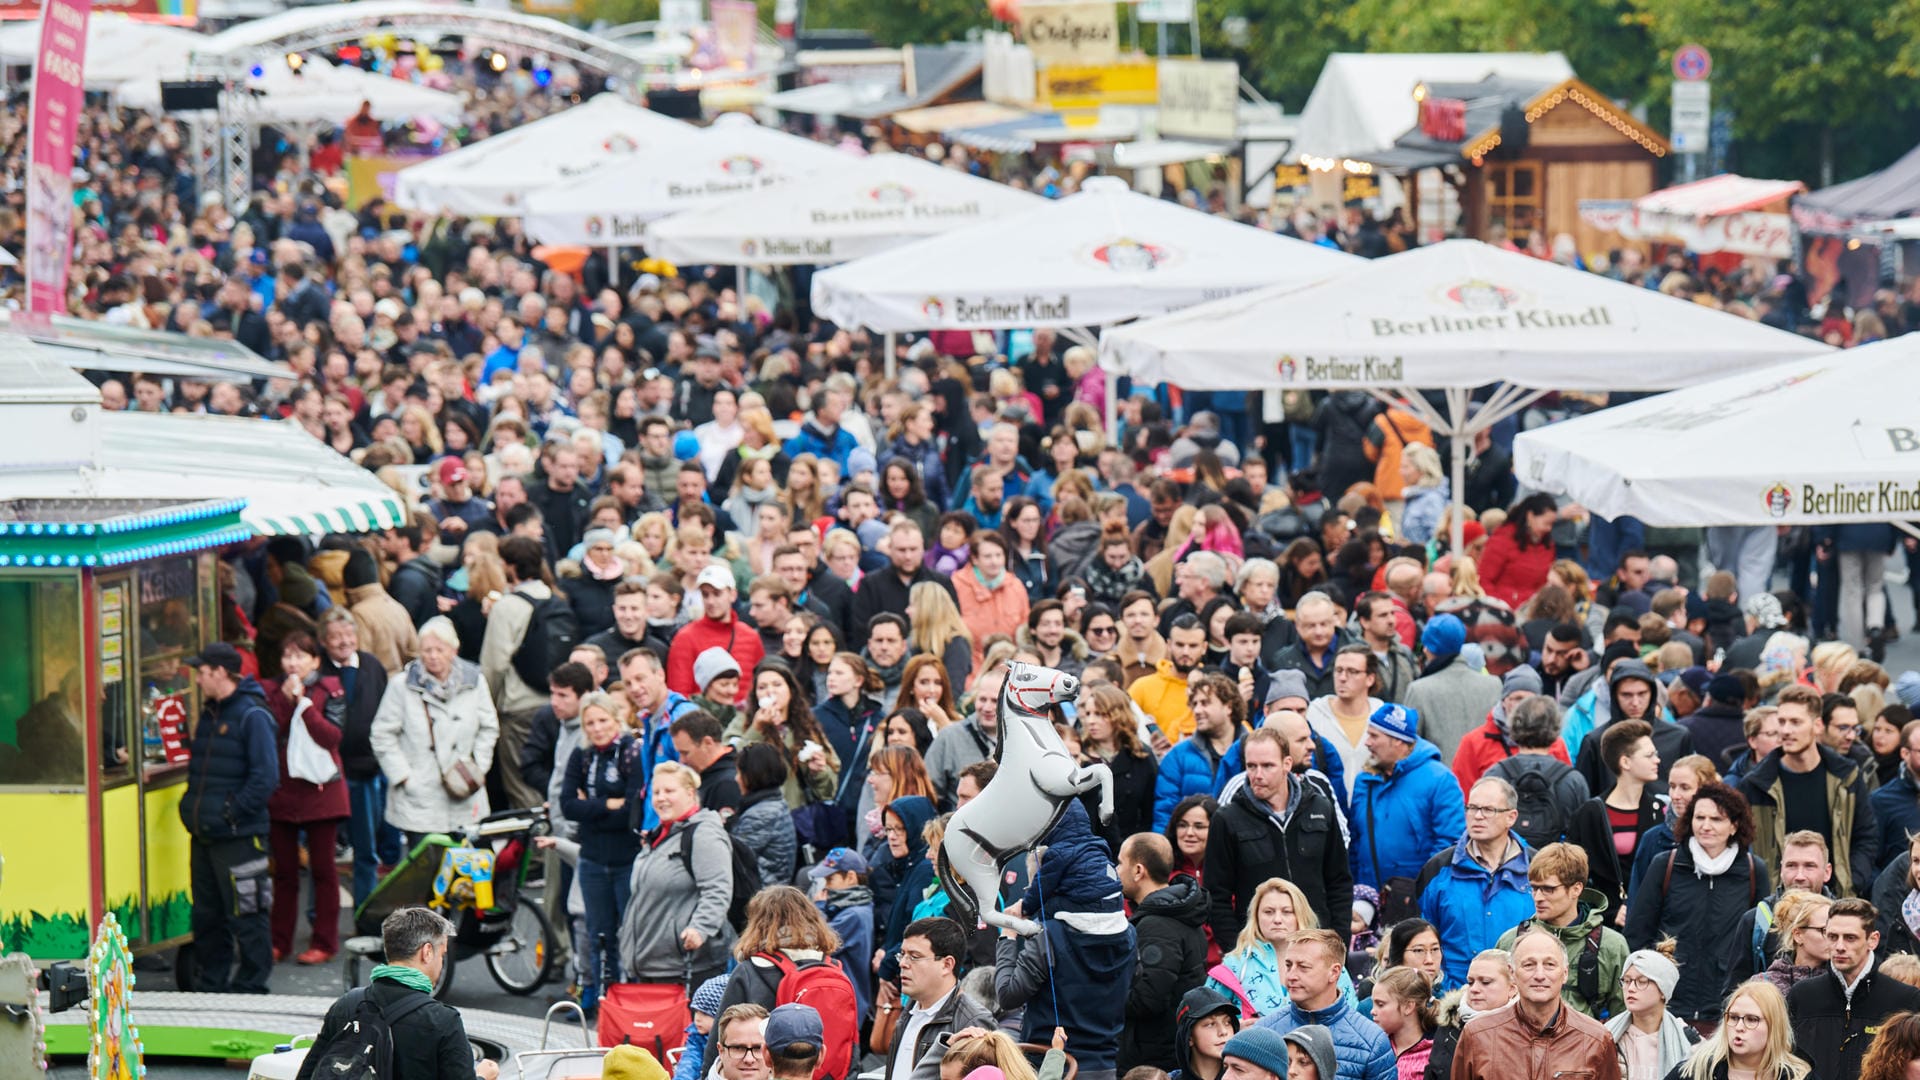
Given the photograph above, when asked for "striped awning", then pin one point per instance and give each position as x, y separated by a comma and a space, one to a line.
343, 517
1011, 136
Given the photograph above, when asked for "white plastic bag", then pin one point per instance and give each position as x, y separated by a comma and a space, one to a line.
307, 759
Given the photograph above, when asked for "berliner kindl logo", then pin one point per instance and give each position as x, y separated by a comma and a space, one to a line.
1779, 499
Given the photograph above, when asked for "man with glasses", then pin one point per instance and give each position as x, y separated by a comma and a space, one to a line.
740, 1034
1341, 717
1836, 1013
1565, 907
1478, 888
931, 952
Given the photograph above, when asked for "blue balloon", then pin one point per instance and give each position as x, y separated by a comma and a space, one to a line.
686, 446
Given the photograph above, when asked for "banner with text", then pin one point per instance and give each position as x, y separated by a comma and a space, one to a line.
1199, 98
58, 95
1074, 32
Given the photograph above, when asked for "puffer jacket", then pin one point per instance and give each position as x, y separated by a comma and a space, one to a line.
1403, 817
1854, 830
422, 728
1249, 844
1701, 913
1670, 739
1575, 937
1190, 768
1170, 958
1363, 1049
765, 825
1470, 907
594, 777
669, 896
235, 767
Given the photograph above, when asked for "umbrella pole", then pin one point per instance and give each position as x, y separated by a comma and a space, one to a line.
886, 343
1458, 444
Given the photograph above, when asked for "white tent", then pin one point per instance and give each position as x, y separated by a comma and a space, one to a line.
319, 93
869, 206
1363, 102
119, 50
1455, 316
1101, 256
613, 203
492, 177
1825, 439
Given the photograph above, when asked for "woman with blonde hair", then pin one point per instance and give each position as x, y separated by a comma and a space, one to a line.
1404, 1010
757, 443
974, 1049
1426, 491
781, 921
654, 532
421, 433
925, 684
939, 631
1179, 530
1800, 925
804, 494
1470, 601
1754, 1039
1250, 973
1571, 576
486, 581
1830, 662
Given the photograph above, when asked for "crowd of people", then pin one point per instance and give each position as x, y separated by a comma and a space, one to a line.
733, 595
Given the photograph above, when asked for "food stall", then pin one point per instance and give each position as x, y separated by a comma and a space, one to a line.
110, 527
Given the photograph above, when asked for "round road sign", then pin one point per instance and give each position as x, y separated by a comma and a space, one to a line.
1692, 63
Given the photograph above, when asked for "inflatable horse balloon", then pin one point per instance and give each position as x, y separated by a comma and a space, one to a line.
1022, 802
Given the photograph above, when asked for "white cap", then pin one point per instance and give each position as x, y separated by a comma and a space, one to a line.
716, 575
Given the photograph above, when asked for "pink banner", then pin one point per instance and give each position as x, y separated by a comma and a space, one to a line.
734, 23
58, 96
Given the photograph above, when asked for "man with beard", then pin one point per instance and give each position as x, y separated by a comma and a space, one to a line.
886, 654
1276, 825
886, 590
1199, 764
1163, 694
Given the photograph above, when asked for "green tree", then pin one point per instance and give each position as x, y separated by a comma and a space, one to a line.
900, 22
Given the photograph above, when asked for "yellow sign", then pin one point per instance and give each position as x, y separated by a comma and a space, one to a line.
1361, 187
1289, 176
1073, 32
1135, 82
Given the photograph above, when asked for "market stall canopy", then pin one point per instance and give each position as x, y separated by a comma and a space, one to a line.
120, 50
1893, 192
1362, 102
1100, 256
319, 92
831, 98
1454, 314
87, 345
62, 445
870, 205
1824, 439
492, 177
1731, 213
613, 203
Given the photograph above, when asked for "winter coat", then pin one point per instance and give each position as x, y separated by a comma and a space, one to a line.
541, 762
1319, 678
234, 769
986, 612
1832, 1028
1718, 731
1889, 890
953, 750
591, 598
925, 458
1190, 768
1592, 829
1671, 740
1341, 422
415, 585
669, 897
1471, 907
507, 626
1702, 914
1487, 746
1170, 958
386, 628
1247, 845
1405, 816
765, 825
1105, 585
822, 443
957, 1013
1256, 968
1398, 672
1072, 547
1855, 833
1503, 1044
593, 777
1451, 703
1079, 978
1576, 938
1896, 807
1784, 974
1510, 573
1134, 782
298, 801
368, 684
850, 913
430, 1042
882, 590
823, 785
421, 730
738, 639
898, 884
1163, 697
1362, 1048
1420, 521
1352, 760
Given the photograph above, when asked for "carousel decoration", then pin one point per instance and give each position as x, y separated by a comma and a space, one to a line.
113, 1049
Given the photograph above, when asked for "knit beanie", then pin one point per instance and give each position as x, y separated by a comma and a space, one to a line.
1261, 1047
1657, 967
629, 1062
1444, 636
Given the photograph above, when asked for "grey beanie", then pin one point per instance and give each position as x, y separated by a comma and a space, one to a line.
1287, 683
1522, 678
1664, 973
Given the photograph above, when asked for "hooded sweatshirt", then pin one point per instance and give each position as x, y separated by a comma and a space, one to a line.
1170, 959
1196, 1005
1670, 739
900, 883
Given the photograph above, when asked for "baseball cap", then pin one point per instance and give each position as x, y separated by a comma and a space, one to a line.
793, 1024
838, 861
220, 655
452, 471
718, 576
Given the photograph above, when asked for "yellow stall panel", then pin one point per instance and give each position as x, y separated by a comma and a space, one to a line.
43, 900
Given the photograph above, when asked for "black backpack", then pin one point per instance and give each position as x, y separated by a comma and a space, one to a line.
746, 874
1540, 822
363, 1047
552, 633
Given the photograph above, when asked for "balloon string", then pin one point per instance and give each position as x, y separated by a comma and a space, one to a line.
1053, 983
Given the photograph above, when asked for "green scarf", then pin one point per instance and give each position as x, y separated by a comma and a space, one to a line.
992, 584
413, 978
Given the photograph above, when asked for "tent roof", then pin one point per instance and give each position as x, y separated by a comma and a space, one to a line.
733, 157
319, 91
1890, 193
1100, 256
1723, 194
1793, 443
1363, 102
491, 178
870, 205
96, 346
119, 50
1455, 314
933, 72
830, 98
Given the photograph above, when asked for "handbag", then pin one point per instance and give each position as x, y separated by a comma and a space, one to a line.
460, 778
306, 758
886, 1016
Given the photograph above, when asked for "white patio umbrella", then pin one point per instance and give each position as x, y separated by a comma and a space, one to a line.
120, 51
1824, 439
866, 207
1453, 316
492, 177
613, 203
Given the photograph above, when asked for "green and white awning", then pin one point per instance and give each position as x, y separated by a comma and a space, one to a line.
346, 517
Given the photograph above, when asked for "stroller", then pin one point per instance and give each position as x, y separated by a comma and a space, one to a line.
475, 879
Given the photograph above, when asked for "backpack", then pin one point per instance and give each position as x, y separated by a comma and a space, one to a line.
746, 874
363, 1047
552, 633
1540, 822
823, 985
1587, 974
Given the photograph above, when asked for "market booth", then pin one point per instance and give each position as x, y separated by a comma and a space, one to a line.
109, 528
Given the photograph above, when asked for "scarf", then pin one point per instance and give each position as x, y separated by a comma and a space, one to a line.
411, 978
991, 584
1674, 1047
1910, 911
889, 675
764, 453
1437, 663
1705, 866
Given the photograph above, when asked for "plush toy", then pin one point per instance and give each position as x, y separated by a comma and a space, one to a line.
1038, 778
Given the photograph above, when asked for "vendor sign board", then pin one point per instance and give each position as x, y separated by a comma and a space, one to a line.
1128, 82
1199, 99
1071, 32
58, 96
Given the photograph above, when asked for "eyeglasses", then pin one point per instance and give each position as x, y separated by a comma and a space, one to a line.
1092, 630
906, 957
1635, 982
894, 830
1740, 1020
1420, 950
1548, 889
743, 1051
1488, 811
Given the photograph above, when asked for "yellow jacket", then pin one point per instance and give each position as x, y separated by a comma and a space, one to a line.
1163, 696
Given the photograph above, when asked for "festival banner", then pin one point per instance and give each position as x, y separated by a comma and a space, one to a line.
58, 96
734, 25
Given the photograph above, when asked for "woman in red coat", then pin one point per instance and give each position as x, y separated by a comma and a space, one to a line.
298, 806
1520, 552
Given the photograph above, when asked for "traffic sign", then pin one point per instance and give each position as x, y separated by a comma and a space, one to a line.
1692, 63
1692, 118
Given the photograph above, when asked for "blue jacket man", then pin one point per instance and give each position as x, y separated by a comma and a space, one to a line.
1406, 806
1315, 961
1480, 890
1197, 765
1896, 806
234, 770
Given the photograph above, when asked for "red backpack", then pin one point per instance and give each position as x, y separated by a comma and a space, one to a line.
824, 986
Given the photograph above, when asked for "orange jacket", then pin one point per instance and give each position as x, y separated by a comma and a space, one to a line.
989, 611
1389, 434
